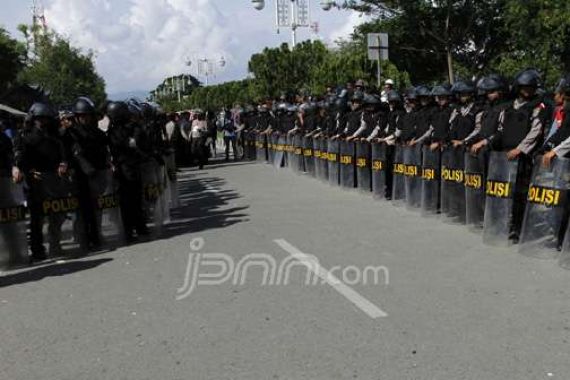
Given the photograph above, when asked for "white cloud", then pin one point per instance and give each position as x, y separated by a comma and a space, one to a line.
138, 45
345, 31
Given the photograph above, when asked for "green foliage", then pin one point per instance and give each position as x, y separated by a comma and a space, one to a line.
12, 55
481, 36
62, 70
310, 66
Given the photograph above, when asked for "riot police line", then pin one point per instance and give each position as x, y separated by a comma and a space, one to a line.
491, 155
67, 187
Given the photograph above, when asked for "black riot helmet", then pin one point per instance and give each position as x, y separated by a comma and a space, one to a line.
371, 102
463, 88
491, 83
41, 110
527, 78
563, 86
411, 94
441, 90
358, 97
423, 91
147, 111
84, 106
135, 109
118, 112
394, 97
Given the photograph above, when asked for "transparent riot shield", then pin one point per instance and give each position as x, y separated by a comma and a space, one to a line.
308, 156
290, 158
59, 203
334, 162
261, 148
379, 168
412, 175
271, 145
298, 153
105, 198
431, 175
364, 166
398, 181
347, 164
446, 184
152, 196
317, 157
279, 147
475, 189
452, 187
13, 244
499, 191
250, 146
546, 212
324, 161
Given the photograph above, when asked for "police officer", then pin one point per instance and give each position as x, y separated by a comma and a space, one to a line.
440, 117
387, 135
38, 152
125, 137
90, 156
372, 119
8, 232
424, 116
557, 144
521, 125
462, 120
494, 88
354, 118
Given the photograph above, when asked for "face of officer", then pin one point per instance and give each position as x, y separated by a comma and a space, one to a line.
465, 98
66, 122
442, 101
493, 96
559, 98
355, 105
424, 100
85, 119
527, 92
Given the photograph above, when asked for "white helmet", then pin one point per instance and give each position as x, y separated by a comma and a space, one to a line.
389, 82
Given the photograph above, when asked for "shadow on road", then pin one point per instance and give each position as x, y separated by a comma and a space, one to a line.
204, 206
51, 270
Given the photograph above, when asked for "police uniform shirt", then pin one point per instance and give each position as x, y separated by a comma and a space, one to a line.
529, 141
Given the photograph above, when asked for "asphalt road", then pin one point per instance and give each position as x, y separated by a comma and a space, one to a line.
445, 305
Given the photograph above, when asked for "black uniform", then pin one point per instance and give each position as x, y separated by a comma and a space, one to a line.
40, 151
125, 139
90, 154
519, 120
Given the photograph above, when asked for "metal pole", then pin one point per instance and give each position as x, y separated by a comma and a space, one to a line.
379, 57
294, 21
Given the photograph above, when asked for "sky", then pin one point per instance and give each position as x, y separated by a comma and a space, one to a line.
138, 43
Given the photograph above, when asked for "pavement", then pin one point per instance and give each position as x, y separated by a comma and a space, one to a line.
443, 306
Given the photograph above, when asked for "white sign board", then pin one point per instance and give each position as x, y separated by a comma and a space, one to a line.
378, 46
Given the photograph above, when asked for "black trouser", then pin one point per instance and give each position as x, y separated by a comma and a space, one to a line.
390, 152
524, 174
36, 197
130, 195
88, 221
230, 141
199, 151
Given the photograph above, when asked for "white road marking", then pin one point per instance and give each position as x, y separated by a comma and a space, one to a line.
358, 300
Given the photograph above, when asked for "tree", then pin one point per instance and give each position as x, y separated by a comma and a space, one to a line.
12, 55
62, 70
429, 36
538, 36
